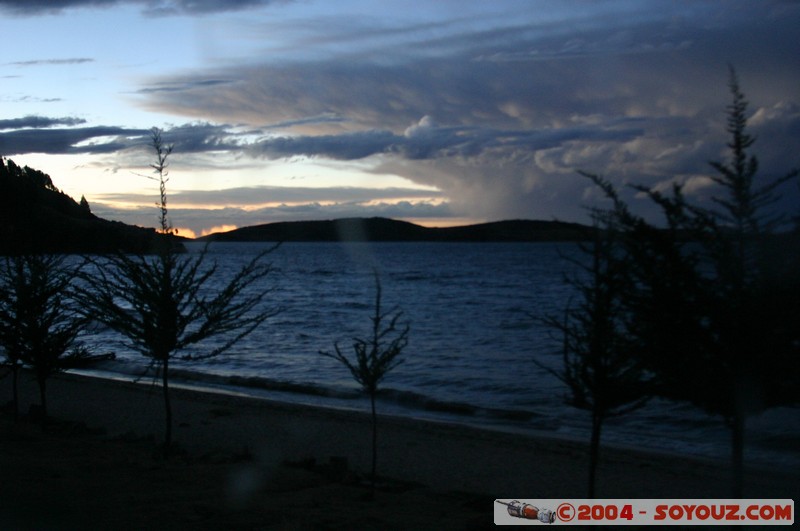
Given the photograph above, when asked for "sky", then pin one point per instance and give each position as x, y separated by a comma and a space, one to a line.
441, 112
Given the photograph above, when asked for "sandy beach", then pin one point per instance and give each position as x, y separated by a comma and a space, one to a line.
246, 463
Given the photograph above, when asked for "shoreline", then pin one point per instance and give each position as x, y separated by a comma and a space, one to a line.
438, 454
438, 415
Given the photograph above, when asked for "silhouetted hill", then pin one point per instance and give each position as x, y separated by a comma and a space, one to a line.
389, 230
519, 230
37, 217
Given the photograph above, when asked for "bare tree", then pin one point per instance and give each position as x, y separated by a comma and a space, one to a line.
169, 301
600, 366
162, 152
39, 323
375, 356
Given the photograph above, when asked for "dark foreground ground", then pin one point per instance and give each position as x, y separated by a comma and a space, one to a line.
66, 476
246, 463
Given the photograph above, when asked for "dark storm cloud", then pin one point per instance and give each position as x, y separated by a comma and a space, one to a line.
523, 105
202, 137
38, 122
349, 146
461, 79
69, 141
426, 141
188, 138
423, 140
150, 7
33, 7
499, 114
512, 75
327, 118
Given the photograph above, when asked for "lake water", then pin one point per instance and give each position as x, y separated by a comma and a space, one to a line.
474, 337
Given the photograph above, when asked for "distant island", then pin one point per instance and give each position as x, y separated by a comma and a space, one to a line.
389, 230
35, 216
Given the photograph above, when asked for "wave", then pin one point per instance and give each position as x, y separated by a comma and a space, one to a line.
263, 384
324, 273
412, 277
404, 399
407, 399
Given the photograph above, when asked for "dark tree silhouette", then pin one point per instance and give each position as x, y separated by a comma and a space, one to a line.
37, 218
169, 301
600, 365
39, 323
84, 204
746, 343
715, 304
375, 356
162, 152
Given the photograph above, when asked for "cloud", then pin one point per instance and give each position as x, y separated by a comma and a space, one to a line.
497, 109
70, 141
214, 229
38, 122
259, 195
40, 62
325, 118
202, 137
150, 7
777, 128
187, 138
32, 99
33, 7
464, 78
175, 7
182, 86
426, 140
200, 220
501, 117
420, 141
654, 61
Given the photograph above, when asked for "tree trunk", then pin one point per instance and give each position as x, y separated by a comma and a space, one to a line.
594, 451
374, 444
737, 454
15, 388
43, 397
167, 405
